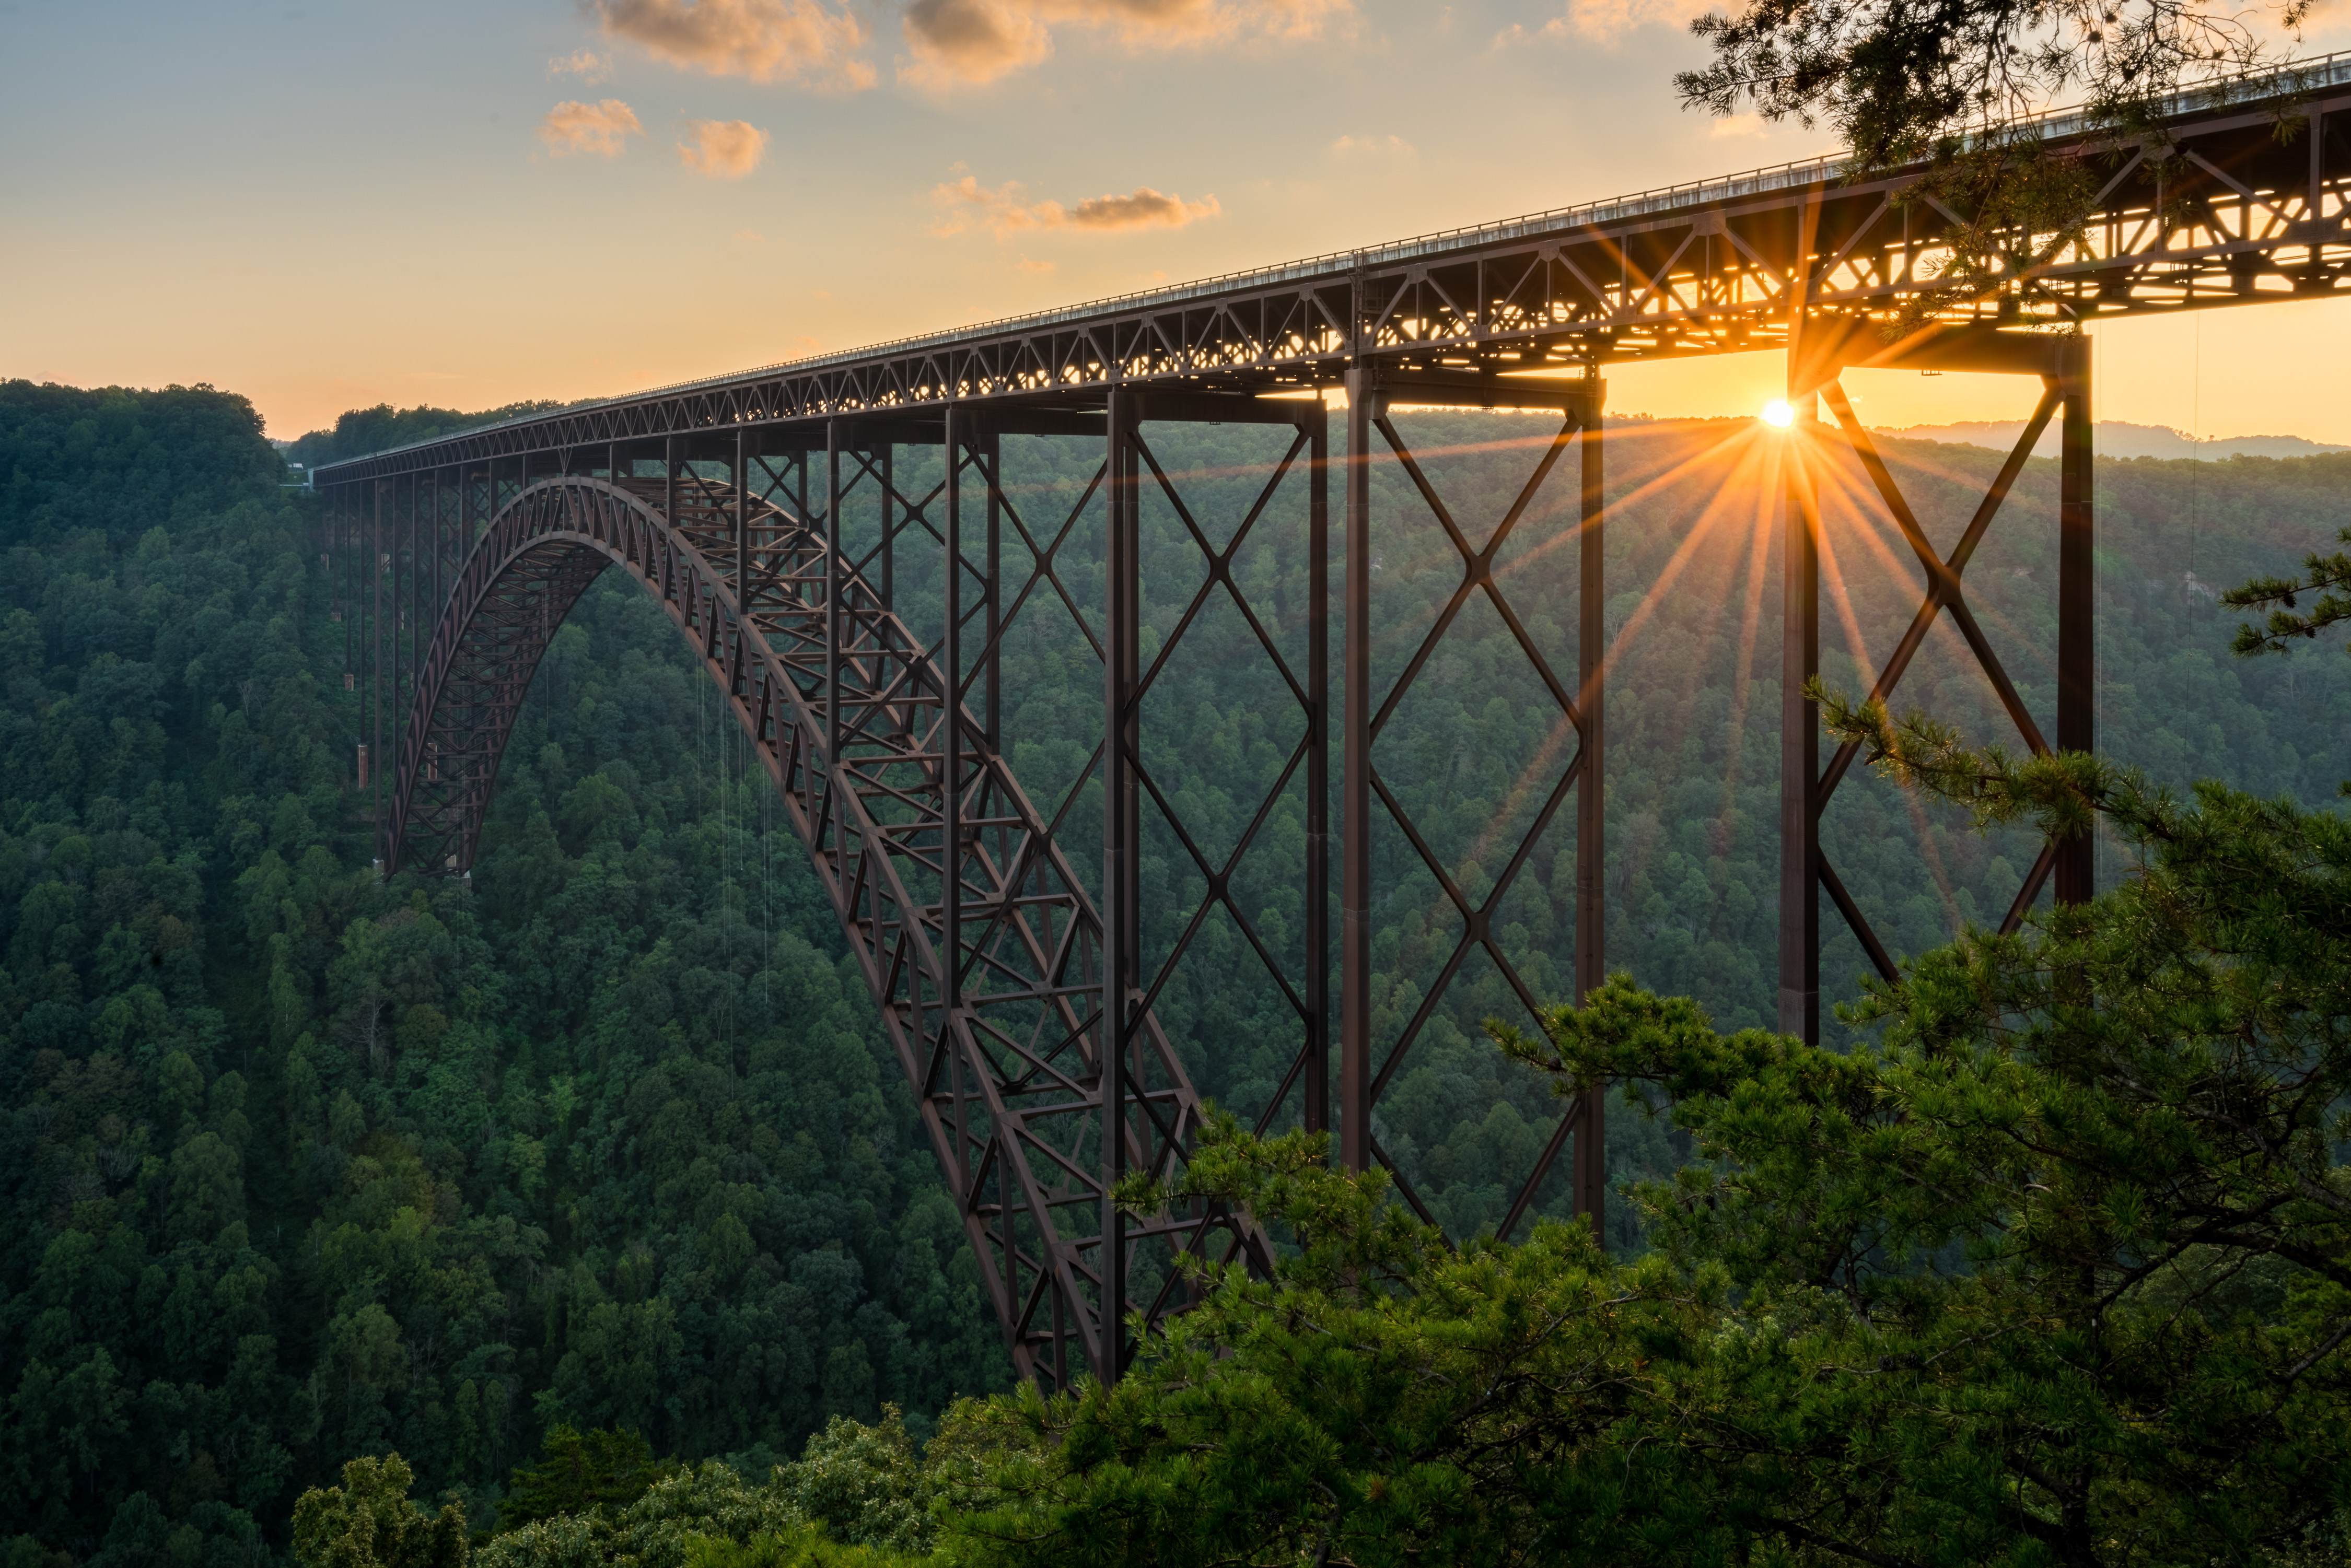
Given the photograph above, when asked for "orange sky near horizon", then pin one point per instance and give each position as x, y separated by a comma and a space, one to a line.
331, 209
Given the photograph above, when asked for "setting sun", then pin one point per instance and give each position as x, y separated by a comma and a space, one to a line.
1778, 415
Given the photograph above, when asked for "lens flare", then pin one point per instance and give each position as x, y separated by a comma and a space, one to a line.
1778, 415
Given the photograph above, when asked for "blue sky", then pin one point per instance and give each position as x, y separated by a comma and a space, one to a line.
321, 204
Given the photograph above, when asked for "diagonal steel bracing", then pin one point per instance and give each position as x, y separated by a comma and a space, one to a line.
1579, 711
981, 945
2062, 365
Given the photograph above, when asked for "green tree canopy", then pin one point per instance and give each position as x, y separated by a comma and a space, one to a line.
2057, 1269
577, 1471
368, 1522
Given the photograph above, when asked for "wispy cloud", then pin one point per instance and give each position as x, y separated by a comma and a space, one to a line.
596, 129
1006, 209
1350, 145
766, 40
963, 43
1607, 21
586, 64
1740, 125
723, 149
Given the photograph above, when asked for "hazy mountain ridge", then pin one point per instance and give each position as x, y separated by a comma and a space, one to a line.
2119, 438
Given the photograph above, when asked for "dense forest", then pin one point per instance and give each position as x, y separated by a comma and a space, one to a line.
303, 1165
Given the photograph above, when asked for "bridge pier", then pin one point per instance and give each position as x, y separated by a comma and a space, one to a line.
1821, 349
1580, 404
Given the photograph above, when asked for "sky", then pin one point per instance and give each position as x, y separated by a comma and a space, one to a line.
324, 206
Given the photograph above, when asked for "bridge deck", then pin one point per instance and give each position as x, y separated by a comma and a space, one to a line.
2252, 209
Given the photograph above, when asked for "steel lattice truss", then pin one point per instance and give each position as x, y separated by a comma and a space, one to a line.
1479, 915
2243, 213
986, 959
1944, 593
1022, 1006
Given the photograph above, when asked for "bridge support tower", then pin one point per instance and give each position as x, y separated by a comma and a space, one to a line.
1821, 350
1373, 433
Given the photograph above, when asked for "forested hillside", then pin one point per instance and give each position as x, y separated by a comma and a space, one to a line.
301, 1166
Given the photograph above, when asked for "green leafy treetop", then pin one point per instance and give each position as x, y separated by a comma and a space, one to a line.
865, 1485
368, 1522
577, 1471
805, 1547
858, 1495
710, 1500
1380, 1400
2057, 1270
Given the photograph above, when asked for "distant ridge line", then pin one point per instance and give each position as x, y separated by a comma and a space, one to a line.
2119, 438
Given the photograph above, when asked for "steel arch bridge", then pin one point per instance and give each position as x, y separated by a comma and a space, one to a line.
1016, 984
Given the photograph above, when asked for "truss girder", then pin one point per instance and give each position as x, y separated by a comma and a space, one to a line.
2242, 214
995, 1011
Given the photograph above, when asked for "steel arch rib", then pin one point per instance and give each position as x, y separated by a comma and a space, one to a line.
1009, 1080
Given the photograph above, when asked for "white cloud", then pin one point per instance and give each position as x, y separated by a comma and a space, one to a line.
596, 129
1347, 145
766, 40
723, 149
589, 65
1005, 210
957, 43
1740, 125
1607, 21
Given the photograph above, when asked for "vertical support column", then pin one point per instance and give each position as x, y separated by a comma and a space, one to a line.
742, 517
1122, 902
408, 615
441, 531
1591, 1176
1315, 1088
346, 531
836, 625
669, 481
419, 525
1799, 763
889, 526
1355, 792
992, 448
376, 567
2077, 605
958, 426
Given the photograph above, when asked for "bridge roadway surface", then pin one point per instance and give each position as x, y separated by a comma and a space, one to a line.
454, 561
